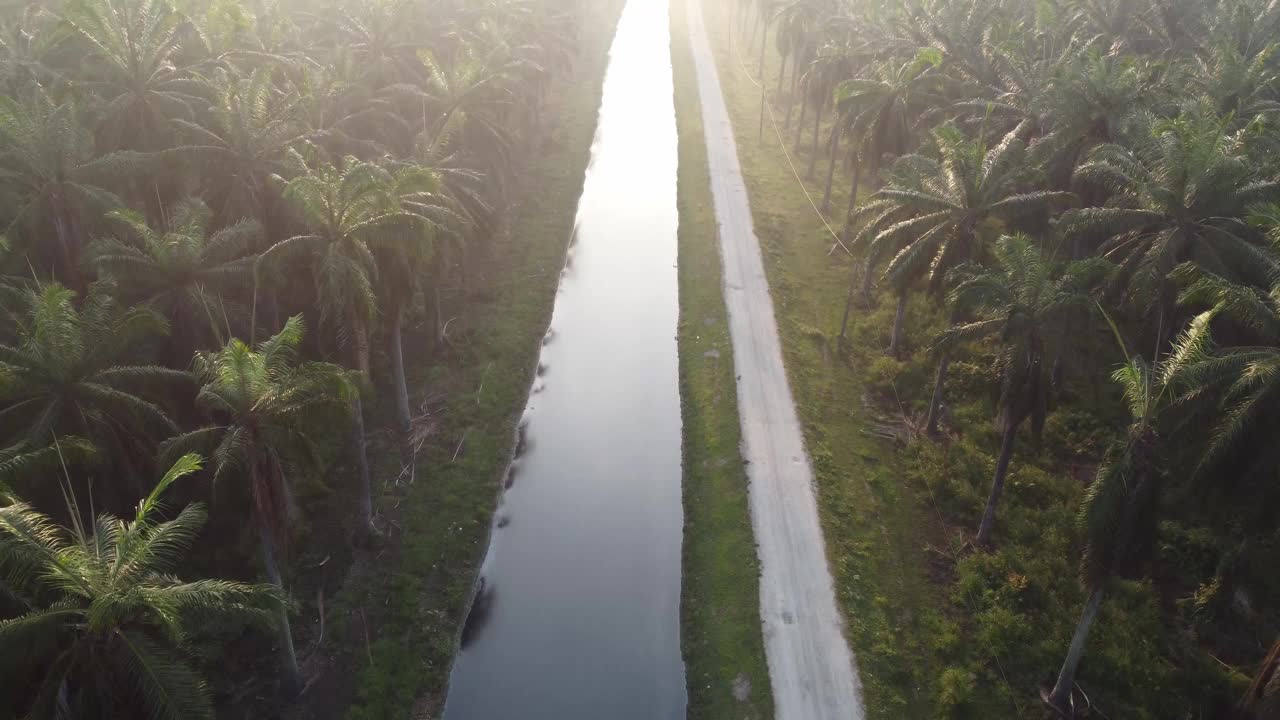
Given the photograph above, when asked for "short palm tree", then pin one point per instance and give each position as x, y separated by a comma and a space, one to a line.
190, 274
1181, 195
1024, 300
267, 409
1238, 385
70, 371
928, 219
106, 625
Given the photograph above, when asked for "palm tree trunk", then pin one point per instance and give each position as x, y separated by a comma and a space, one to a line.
1060, 698
853, 194
804, 105
782, 72
397, 368
68, 244
997, 484
867, 274
832, 151
438, 313
935, 404
848, 305
364, 503
817, 127
1257, 694
899, 320
290, 682
763, 90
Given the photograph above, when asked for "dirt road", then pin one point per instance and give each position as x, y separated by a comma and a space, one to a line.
810, 666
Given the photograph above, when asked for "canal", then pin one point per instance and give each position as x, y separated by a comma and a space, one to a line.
578, 614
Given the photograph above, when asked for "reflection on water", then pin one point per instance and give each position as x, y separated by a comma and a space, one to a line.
578, 614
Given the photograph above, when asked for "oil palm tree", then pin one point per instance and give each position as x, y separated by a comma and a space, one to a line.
1233, 387
134, 45
1181, 195
1121, 509
349, 209
106, 626
877, 114
1237, 85
267, 408
70, 371
428, 242
188, 273
54, 184
930, 216
243, 137
1023, 299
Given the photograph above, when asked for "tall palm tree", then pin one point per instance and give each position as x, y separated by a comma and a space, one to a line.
54, 184
428, 242
1120, 512
134, 45
836, 59
1181, 195
188, 273
243, 136
349, 209
878, 113
1023, 300
267, 409
106, 625
70, 371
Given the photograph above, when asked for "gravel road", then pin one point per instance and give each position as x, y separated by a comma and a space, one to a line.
810, 666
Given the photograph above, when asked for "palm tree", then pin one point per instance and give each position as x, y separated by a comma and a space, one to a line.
931, 214
1233, 387
54, 183
1181, 195
836, 59
1237, 85
106, 625
1120, 512
244, 135
877, 113
267, 408
349, 210
68, 371
1024, 300
187, 273
133, 45
428, 242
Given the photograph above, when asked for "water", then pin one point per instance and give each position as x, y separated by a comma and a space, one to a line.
579, 615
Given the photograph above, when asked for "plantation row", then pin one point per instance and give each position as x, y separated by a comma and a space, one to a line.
220, 215
1062, 192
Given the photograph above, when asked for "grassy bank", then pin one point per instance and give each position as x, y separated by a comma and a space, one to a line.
399, 614
720, 629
